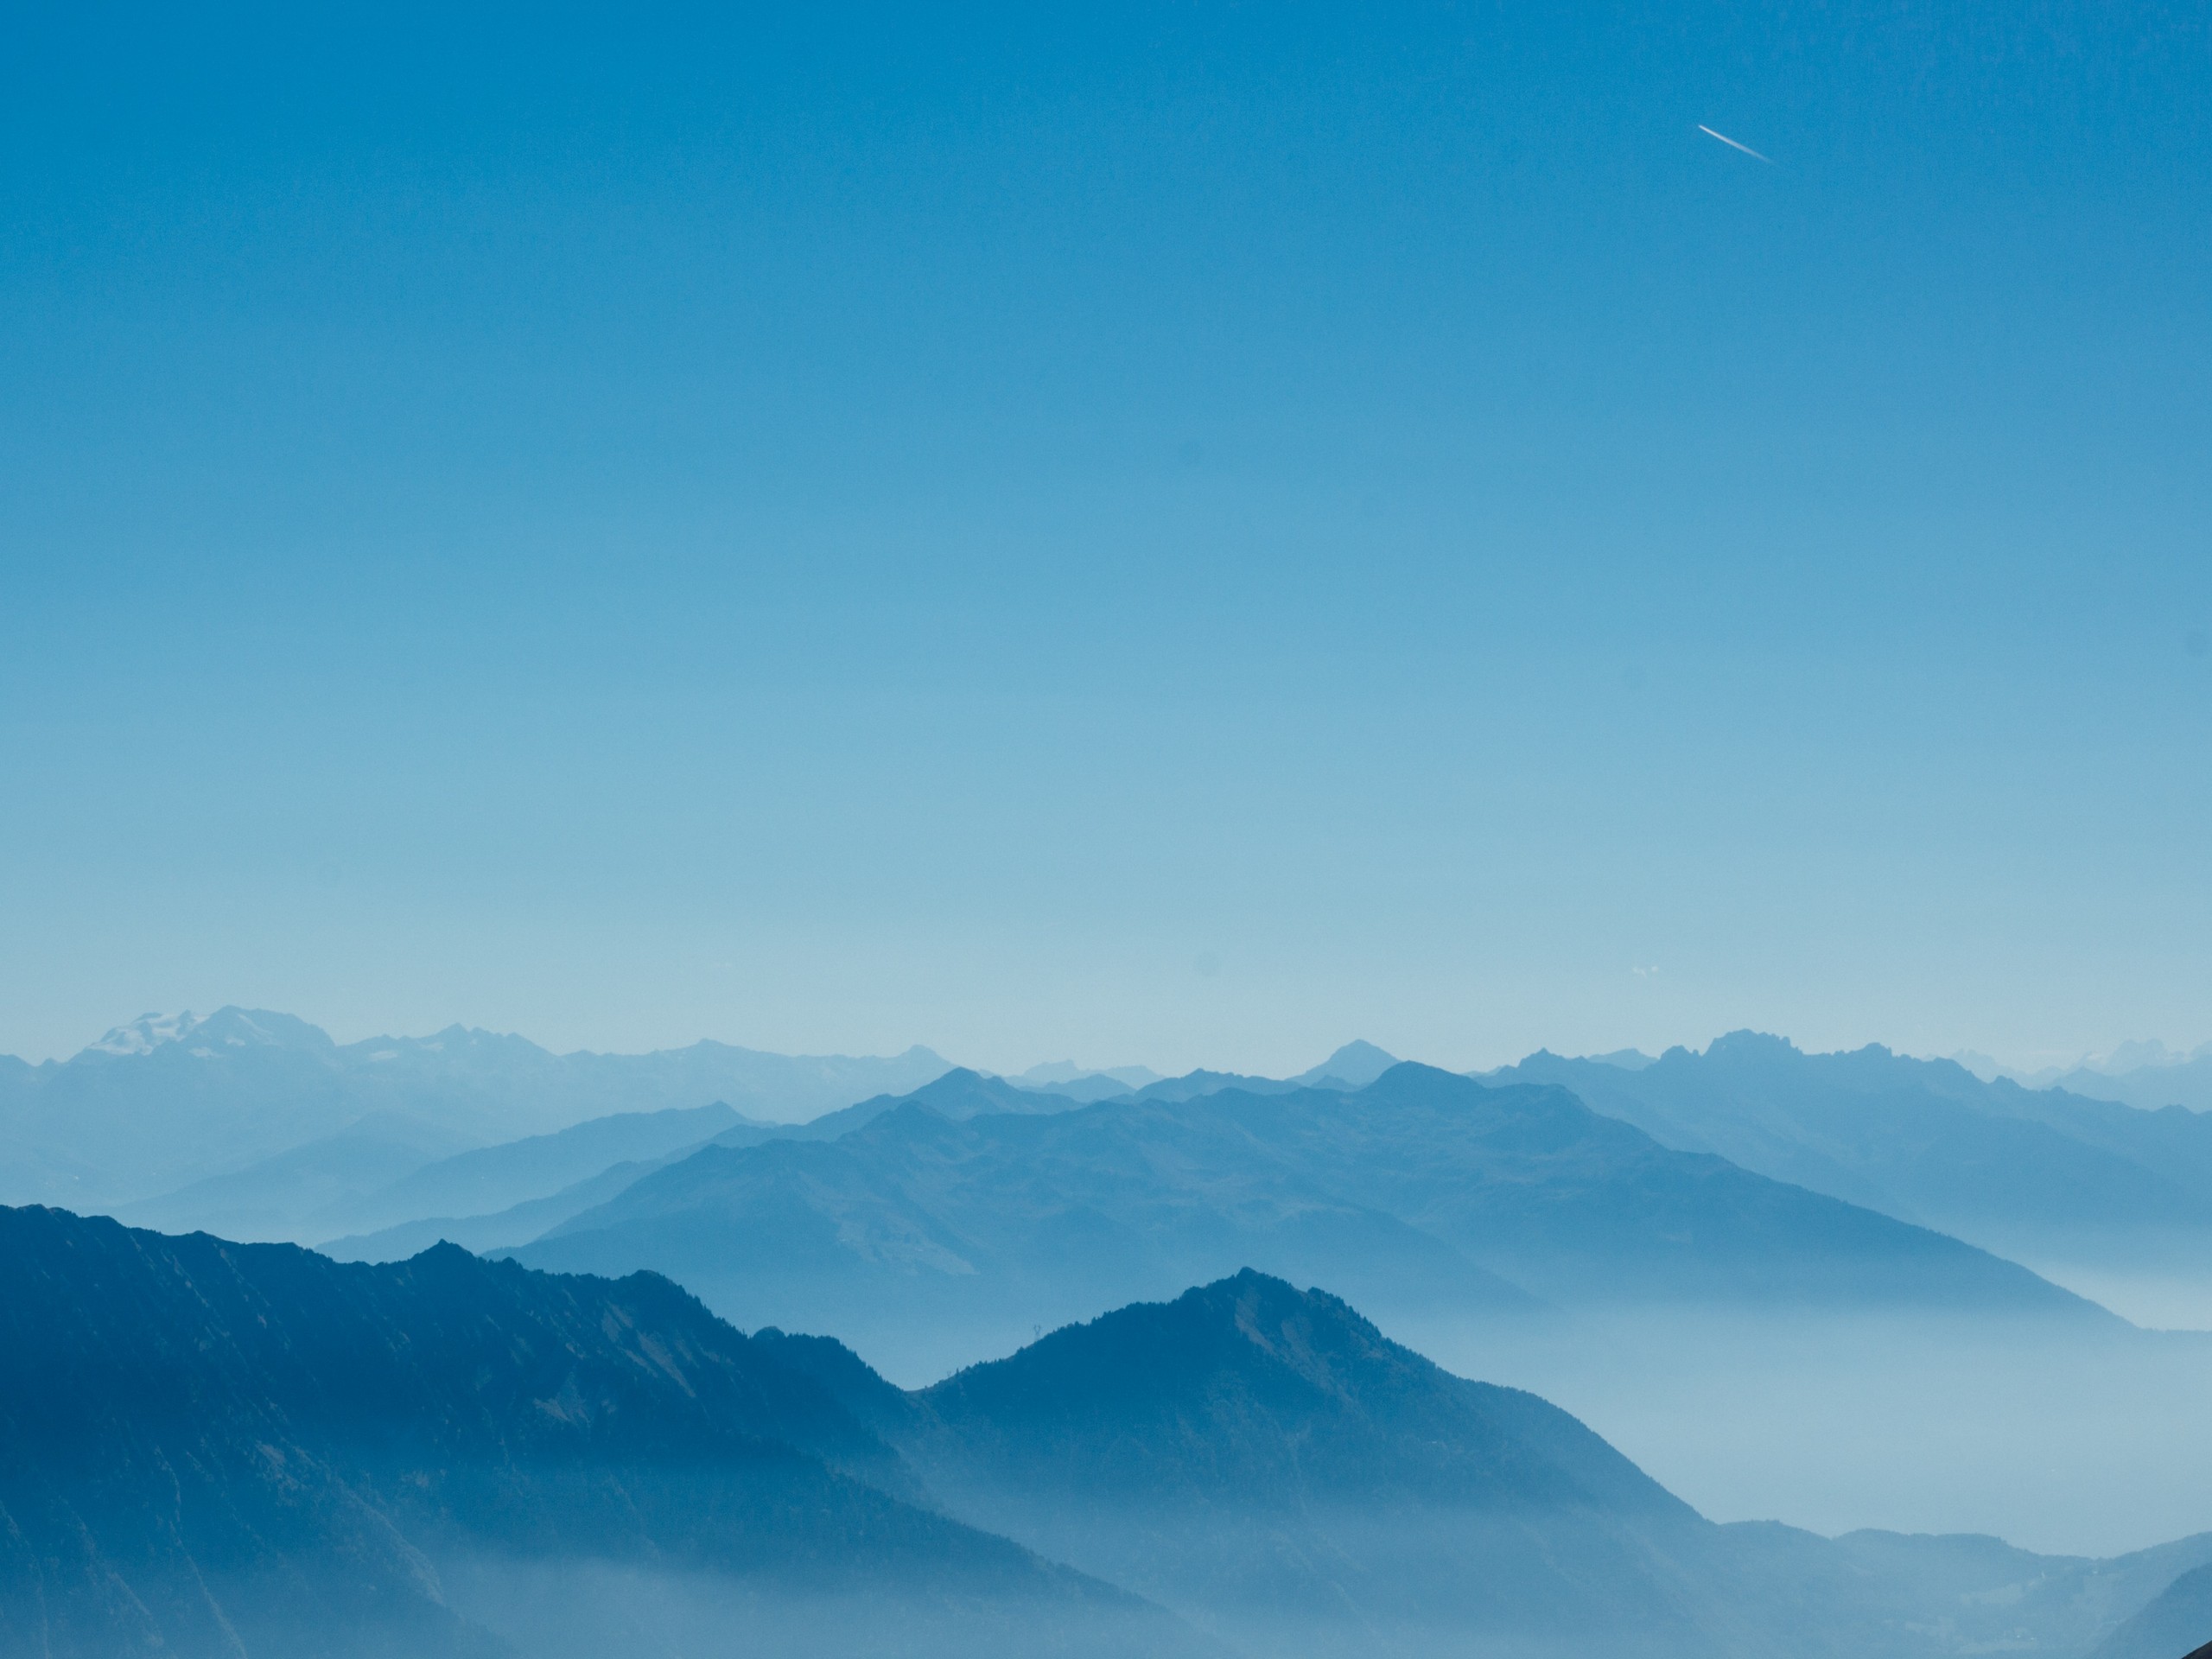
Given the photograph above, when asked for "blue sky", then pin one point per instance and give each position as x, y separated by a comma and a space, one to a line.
1183, 535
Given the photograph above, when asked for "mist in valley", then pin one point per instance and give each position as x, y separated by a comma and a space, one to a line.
2060, 1442
1570, 646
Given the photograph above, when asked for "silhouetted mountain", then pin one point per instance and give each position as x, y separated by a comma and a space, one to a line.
248, 1450
1084, 1090
1263, 1460
1066, 1078
960, 1094
1628, 1060
492, 1179
1192, 1085
2149, 1075
251, 1450
2177, 1625
1422, 1190
284, 1197
501, 1230
162, 1104
156, 1105
1012, 1220
1353, 1066
2028, 1171
521, 1165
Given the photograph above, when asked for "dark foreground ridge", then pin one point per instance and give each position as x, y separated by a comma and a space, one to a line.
212, 1448
1264, 1461
253, 1450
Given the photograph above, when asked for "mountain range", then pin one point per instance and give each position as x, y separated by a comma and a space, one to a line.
162, 1104
2041, 1174
1422, 1190
256, 1125
245, 1450
252, 1450
2145, 1074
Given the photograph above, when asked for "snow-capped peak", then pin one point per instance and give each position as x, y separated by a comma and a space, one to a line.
147, 1033
227, 1030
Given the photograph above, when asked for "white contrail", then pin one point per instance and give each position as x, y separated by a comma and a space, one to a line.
1732, 144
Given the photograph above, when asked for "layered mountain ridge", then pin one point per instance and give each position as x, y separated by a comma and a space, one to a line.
1422, 1190
2044, 1173
255, 1451
164, 1103
216, 1448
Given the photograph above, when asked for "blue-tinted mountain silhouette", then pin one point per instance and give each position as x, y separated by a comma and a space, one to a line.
1354, 1065
2177, 1624
1261, 1459
511, 1172
252, 1450
959, 1094
364, 1177
160, 1104
208, 1448
2040, 1172
1423, 1190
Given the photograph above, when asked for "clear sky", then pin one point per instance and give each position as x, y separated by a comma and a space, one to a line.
1183, 533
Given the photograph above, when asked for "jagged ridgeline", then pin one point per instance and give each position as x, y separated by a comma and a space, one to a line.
250, 1450
217, 1449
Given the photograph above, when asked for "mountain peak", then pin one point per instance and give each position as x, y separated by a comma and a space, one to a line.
227, 1030
1748, 1044
146, 1033
1249, 1322
1354, 1065
1253, 1387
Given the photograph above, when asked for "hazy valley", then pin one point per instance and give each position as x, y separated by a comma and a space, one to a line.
1777, 1291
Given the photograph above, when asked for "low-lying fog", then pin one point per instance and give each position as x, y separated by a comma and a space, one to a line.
2076, 1444
2180, 1301
2088, 1446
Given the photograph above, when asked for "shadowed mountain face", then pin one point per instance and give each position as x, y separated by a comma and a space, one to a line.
2178, 1622
2038, 1172
159, 1104
1263, 1460
1279, 1397
1422, 1190
250, 1450
213, 1448
545, 1181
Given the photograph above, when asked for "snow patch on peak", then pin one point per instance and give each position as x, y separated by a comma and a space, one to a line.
217, 1036
148, 1032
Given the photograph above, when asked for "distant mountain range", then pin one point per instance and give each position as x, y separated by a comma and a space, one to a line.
159, 1104
1422, 1190
378, 1148
598, 1160
2145, 1074
2044, 1174
326, 1185
253, 1450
